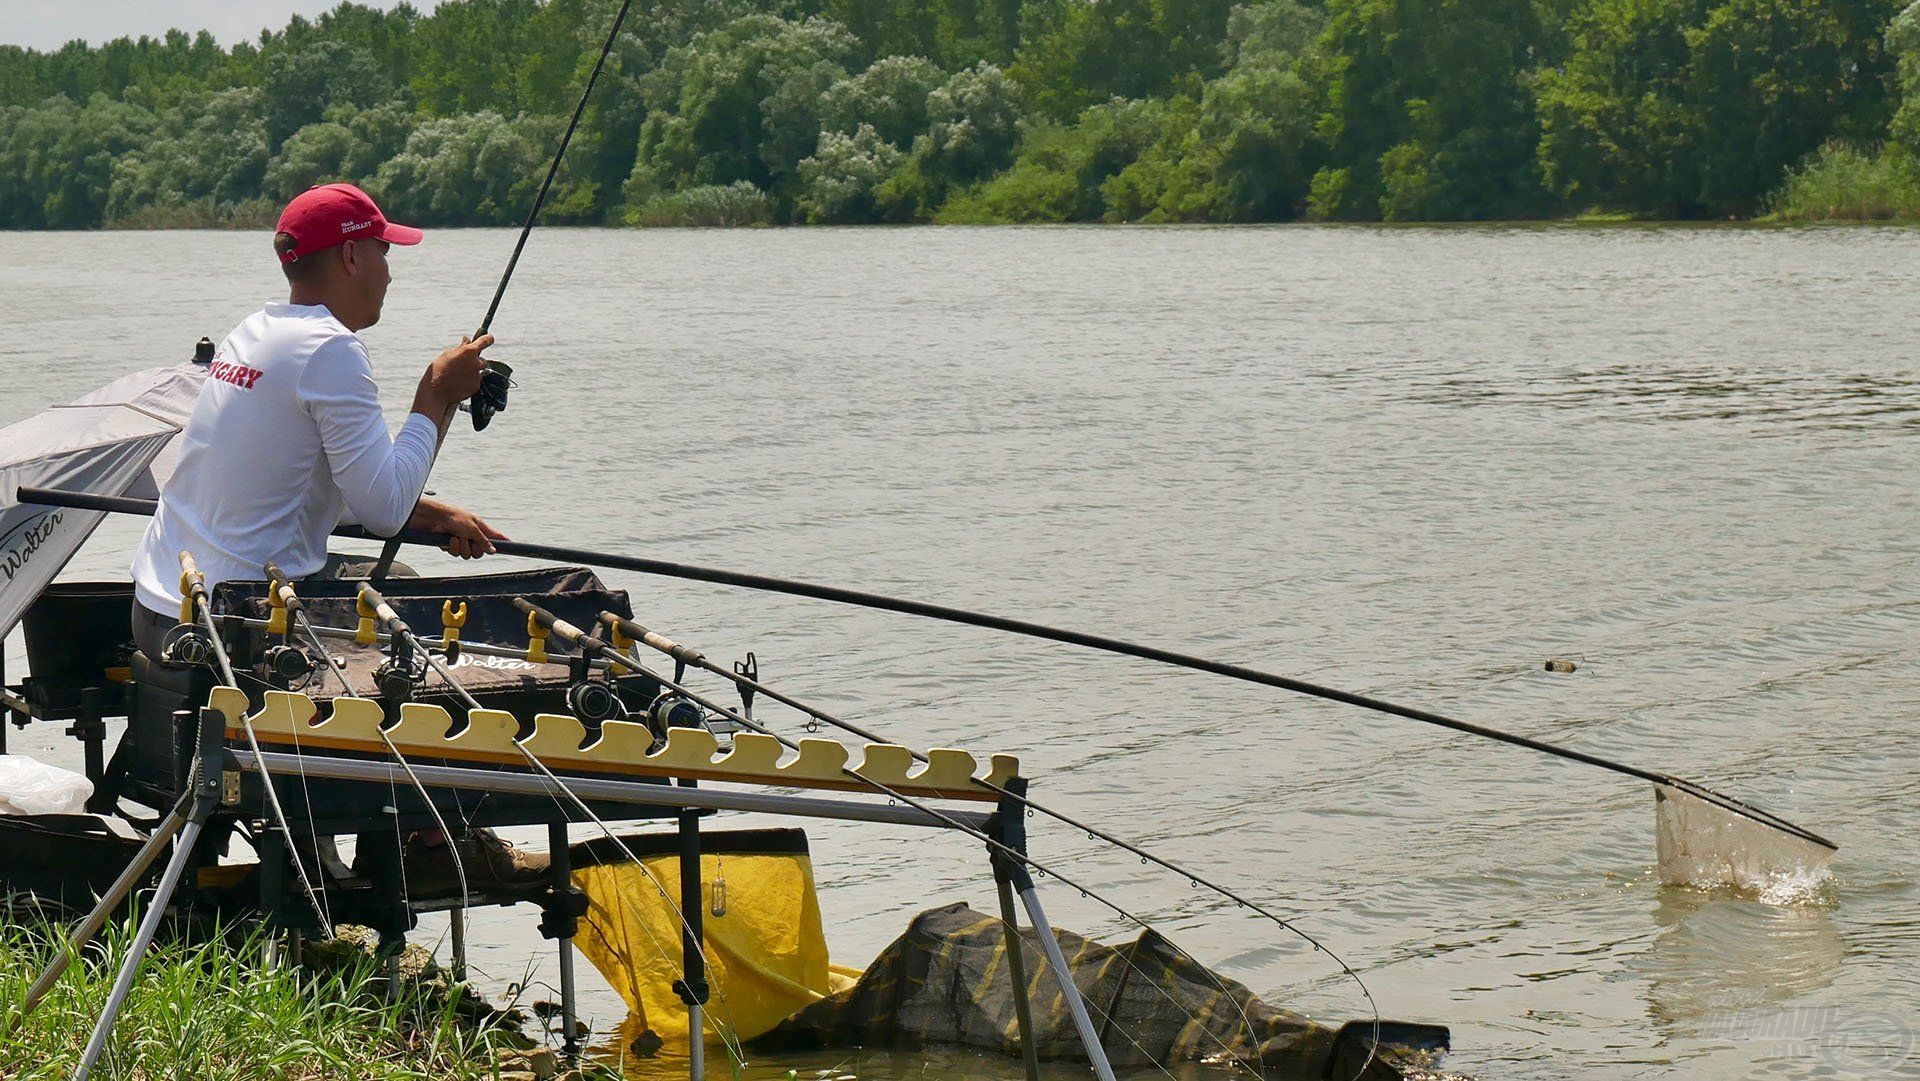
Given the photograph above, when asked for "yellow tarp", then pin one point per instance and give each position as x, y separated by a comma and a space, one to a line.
766, 952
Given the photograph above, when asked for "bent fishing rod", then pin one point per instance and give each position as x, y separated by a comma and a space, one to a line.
592, 646
491, 398
944, 613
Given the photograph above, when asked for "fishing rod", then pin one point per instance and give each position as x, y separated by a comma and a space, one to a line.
401, 632
491, 398
590, 645
195, 609
280, 587
881, 602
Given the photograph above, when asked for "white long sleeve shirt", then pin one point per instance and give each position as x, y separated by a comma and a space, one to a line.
285, 442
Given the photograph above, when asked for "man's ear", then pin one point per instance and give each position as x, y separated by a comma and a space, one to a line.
349, 257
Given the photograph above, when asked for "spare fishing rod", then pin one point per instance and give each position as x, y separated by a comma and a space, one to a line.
195, 609
591, 645
491, 398
881, 602
280, 587
401, 632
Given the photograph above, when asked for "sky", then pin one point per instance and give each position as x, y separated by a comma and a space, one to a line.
49, 24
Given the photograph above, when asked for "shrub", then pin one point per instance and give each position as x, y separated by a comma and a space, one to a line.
715, 205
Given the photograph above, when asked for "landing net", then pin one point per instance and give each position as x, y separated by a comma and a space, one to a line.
1707, 841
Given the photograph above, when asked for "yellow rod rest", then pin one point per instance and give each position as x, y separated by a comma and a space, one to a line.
189, 578
277, 616
365, 634
451, 620
536, 640
621, 643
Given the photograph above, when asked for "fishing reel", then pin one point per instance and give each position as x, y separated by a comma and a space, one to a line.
400, 673
288, 666
595, 702
186, 645
495, 380
674, 710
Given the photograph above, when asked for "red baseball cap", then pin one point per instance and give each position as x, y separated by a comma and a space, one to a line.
330, 214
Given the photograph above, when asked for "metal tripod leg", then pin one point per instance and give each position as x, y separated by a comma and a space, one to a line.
109, 901
206, 796
459, 929
1017, 975
1030, 899
1008, 826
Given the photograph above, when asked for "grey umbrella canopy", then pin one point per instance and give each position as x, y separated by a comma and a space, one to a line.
117, 440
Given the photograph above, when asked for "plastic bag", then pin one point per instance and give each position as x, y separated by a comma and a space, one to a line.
31, 787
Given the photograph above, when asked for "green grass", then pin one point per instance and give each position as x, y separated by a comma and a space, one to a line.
211, 1011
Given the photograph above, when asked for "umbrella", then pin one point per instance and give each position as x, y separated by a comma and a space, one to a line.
114, 441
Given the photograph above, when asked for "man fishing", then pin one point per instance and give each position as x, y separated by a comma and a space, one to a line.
287, 441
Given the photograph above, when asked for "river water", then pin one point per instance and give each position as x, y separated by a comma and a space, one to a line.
1410, 462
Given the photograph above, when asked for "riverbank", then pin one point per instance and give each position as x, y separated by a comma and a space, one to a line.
212, 1010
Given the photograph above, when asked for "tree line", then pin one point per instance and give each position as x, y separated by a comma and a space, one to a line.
849, 111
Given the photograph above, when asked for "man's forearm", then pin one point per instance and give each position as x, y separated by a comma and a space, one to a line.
429, 515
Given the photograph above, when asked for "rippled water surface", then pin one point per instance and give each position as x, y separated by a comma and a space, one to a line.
1409, 462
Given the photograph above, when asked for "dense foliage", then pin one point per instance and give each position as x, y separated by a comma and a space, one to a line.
768, 111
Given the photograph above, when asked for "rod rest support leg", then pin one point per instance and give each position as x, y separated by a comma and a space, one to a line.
1008, 825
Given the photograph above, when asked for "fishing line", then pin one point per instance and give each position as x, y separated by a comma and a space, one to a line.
698, 659
688, 655
297, 611
195, 587
1084, 890
399, 628
586, 642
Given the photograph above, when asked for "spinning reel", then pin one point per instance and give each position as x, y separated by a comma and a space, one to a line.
288, 666
595, 702
400, 673
186, 645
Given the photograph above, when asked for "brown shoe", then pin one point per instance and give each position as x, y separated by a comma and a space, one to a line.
490, 862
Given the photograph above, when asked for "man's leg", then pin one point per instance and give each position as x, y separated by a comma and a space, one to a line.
348, 566
150, 629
